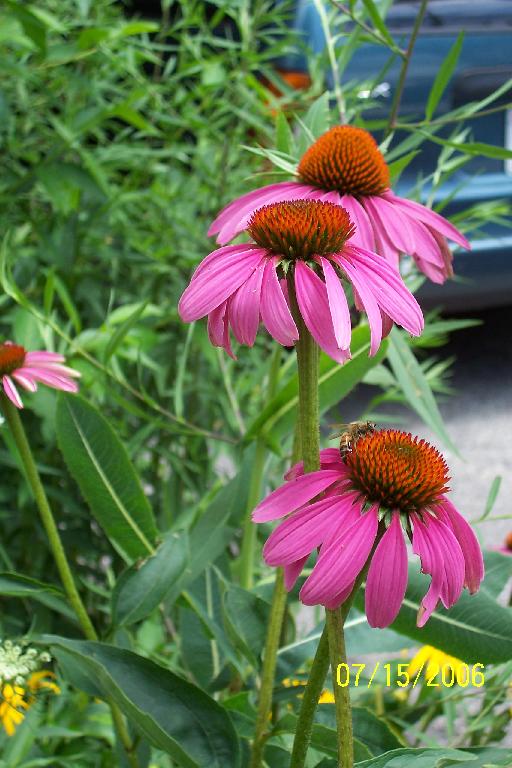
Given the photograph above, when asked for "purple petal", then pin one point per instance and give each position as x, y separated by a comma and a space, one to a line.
304, 531
244, 308
216, 325
330, 458
11, 391
215, 282
363, 235
387, 577
314, 308
473, 559
338, 305
275, 312
430, 217
393, 221
366, 298
340, 562
294, 494
292, 573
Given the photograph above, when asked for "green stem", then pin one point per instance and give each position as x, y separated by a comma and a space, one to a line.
405, 66
269, 669
13, 420
338, 655
308, 428
249, 536
316, 682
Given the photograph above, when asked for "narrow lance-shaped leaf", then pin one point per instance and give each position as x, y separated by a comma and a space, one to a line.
415, 386
476, 629
443, 76
174, 715
143, 586
100, 465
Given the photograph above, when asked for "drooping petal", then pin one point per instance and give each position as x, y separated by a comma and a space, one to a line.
389, 289
363, 235
11, 391
341, 561
294, 494
303, 531
275, 312
430, 217
338, 305
387, 577
27, 382
43, 357
366, 298
216, 282
314, 308
244, 308
216, 325
442, 557
392, 221
50, 378
256, 198
239, 216
473, 559
292, 573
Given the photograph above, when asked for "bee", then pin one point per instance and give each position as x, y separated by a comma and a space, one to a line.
350, 433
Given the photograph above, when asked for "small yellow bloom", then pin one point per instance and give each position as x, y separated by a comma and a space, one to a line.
15, 700
434, 661
326, 697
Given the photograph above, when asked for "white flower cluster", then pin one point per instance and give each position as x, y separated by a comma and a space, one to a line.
17, 661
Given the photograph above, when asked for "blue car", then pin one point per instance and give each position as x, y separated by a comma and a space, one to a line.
484, 275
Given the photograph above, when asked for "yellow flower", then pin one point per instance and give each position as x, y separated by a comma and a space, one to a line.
15, 700
432, 662
326, 697
12, 706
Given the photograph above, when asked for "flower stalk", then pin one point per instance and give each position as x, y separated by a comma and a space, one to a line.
13, 420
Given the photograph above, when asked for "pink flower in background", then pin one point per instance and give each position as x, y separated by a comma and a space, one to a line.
357, 508
17, 366
239, 285
344, 166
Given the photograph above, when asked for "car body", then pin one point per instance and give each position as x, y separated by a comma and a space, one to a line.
484, 275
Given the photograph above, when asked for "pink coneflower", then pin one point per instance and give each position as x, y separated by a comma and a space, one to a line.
387, 484
344, 166
309, 241
17, 366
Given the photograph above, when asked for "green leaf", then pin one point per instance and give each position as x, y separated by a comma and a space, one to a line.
498, 571
492, 496
415, 386
317, 118
285, 141
420, 758
335, 382
125, 327
172, 714
247, 617
443, 76
378, 22
476, 629
143, 586
17, 585
100, 465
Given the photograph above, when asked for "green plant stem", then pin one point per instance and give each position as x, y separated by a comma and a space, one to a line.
249, 536
269, 669
333, 61
338, 655
405, 66
13, 420
316, 682
308, 428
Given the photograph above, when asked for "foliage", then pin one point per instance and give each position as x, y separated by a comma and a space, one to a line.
121, 138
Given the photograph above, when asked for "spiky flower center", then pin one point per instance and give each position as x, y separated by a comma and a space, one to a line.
12, 357
300, 229
397, 470
346, 159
